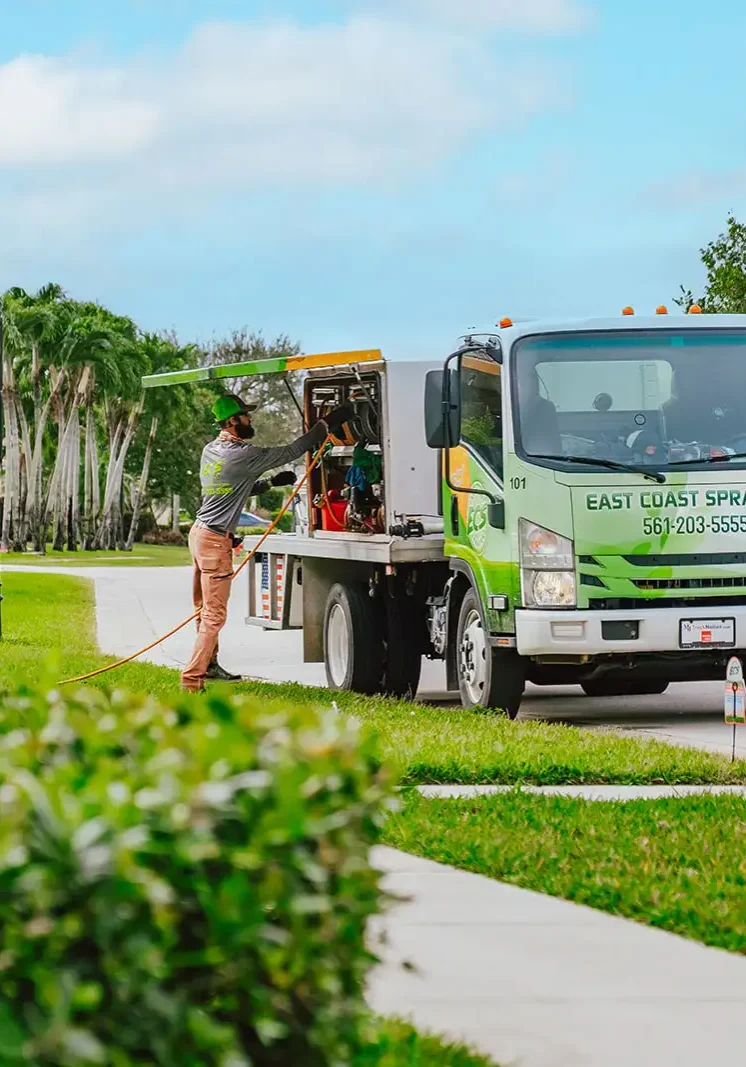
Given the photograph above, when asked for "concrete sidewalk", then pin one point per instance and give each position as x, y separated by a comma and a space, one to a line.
623, 793
538, 982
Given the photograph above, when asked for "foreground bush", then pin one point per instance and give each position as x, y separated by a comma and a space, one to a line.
183, 887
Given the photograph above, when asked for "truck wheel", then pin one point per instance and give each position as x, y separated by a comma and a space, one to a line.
353, 647
488, 677
403, 655
620, 687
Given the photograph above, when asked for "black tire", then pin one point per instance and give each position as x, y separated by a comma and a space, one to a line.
621, 687
403, 647
353, 644
499, 674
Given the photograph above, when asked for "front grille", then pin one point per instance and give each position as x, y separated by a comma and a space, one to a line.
692, 559
691, 583
591, 579
632, 603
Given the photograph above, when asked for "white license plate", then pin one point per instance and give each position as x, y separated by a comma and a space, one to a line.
707, 633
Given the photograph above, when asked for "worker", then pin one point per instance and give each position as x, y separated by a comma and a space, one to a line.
229, 471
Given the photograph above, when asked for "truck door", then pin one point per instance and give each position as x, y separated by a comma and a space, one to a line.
478, 464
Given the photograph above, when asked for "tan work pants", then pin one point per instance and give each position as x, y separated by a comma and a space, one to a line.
212, 555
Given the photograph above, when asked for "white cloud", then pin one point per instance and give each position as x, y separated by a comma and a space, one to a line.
360, 101
92, 146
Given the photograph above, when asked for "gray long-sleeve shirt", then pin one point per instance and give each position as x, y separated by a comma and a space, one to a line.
230, 468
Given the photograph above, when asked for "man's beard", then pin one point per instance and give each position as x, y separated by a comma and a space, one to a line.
245, 432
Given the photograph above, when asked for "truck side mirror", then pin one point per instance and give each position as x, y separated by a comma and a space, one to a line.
496, 515
439, 392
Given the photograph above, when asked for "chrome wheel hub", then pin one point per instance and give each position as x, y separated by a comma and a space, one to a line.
337, 645
473, 658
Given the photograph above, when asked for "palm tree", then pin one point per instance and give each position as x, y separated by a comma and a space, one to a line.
11, 343
89, 353
160, 354
36, 320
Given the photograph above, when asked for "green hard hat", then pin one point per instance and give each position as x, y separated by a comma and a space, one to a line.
225, 406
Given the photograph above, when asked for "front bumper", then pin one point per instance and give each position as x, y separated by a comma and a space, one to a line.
580, 633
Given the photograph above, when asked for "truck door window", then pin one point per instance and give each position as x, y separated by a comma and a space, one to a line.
481, 409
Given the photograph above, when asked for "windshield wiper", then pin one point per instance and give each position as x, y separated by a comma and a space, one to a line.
594, 461
708, 459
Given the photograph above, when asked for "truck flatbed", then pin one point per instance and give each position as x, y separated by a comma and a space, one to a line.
371, 548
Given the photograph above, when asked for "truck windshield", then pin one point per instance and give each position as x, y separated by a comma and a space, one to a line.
658, 398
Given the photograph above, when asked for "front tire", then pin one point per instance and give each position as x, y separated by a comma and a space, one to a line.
489, 677
353, 645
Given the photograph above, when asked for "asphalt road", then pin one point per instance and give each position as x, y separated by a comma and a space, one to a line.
686, 714
135, 605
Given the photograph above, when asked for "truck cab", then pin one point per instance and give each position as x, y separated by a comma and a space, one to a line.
594, 503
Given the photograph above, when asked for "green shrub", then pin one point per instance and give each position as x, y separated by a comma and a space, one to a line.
272, 500
285, 524
183, 886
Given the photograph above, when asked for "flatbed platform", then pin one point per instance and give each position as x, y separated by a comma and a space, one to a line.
372, 548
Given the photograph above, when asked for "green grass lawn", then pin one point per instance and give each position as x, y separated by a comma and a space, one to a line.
676, 864
53, 616
398, 1045
49, 615
140, 556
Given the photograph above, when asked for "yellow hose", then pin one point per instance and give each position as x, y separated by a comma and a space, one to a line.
270, 529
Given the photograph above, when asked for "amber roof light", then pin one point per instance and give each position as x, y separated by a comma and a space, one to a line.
695, 309
504, 323
628, 311
662, 310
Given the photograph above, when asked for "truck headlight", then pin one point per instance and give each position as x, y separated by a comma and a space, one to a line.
547, 567
549, 589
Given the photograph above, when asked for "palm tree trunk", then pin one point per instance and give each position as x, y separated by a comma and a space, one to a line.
109, 528
59, 516
141, 486
35, 513
73, 486
57, 495
21, 534
87, 525
12, 459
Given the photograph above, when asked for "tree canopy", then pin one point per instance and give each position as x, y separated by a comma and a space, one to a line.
725, 263
85, 448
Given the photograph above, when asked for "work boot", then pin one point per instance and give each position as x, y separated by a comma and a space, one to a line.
216, 673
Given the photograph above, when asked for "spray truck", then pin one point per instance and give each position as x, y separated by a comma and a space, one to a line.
554, 503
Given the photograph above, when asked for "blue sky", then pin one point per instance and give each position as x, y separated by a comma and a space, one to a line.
361, 173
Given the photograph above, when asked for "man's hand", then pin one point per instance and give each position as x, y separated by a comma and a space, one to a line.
283, 478
337, 417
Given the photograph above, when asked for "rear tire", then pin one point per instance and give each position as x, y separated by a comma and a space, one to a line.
403, 654
488, 677
353, 644
618, 687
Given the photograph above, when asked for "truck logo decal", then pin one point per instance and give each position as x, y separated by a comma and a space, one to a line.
477, 520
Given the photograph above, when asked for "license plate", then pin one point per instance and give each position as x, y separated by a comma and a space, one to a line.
707, 633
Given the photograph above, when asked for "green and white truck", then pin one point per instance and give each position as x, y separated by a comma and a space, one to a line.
556, 503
